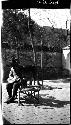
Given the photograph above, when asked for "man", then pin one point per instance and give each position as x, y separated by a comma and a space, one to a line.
14, 81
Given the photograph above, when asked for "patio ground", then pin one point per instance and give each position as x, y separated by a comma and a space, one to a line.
53, 107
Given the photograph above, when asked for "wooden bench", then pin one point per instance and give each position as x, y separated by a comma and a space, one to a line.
32, 89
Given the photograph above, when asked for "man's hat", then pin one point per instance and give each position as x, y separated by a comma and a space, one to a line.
14, 61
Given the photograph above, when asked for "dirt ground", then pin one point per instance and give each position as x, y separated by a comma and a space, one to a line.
53, 107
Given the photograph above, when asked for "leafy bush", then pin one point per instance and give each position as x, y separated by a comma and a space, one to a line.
65, 73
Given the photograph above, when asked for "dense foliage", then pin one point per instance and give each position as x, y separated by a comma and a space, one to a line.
15, 27
16, 39
15, 31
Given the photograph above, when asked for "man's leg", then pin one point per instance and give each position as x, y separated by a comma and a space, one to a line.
16, 85
9, 87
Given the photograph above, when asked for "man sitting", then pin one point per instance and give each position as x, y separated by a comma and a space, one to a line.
14, 81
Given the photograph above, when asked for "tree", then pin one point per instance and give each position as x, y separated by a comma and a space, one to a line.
15, 27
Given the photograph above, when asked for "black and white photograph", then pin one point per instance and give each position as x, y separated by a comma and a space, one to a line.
35, 64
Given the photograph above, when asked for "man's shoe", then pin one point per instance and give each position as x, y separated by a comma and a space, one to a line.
9, 100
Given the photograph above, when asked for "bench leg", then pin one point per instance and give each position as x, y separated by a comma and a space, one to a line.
18, 97
31, 94
38, 96
34, 93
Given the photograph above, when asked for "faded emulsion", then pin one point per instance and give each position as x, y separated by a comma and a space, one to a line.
35, 67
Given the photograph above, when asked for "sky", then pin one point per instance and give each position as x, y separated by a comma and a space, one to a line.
49, 17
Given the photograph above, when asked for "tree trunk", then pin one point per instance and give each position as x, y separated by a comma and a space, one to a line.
34, 53
41, 60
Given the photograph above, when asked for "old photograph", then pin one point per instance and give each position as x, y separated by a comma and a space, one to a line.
35, 66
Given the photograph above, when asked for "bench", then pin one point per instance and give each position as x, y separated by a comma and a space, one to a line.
32, 89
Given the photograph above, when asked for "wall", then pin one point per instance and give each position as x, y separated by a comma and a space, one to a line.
66, 59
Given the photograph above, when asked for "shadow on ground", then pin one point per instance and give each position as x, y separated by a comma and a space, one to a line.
52, 102
66, 80
44, 101
6, 121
